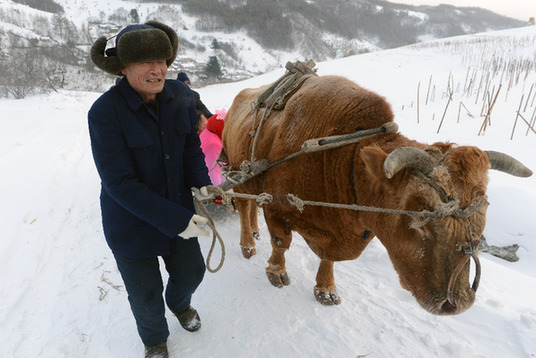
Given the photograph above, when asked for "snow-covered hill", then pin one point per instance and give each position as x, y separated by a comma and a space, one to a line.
63, 297
310, 30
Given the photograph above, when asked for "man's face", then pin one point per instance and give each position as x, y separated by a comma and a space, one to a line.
146, 78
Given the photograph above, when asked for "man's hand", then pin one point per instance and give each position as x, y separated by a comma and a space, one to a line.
194, 229
202, 194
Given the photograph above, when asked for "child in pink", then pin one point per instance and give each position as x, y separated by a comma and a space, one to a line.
211, 145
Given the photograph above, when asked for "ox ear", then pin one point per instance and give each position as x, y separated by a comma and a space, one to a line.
373, 157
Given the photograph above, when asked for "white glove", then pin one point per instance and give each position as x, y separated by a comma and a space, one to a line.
202, 194
193, 229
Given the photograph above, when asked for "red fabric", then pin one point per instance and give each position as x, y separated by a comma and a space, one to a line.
215, 125
211, 144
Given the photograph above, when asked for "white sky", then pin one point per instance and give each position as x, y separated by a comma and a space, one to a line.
517, 9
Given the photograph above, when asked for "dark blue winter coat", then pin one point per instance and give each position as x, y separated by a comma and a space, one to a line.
147, 165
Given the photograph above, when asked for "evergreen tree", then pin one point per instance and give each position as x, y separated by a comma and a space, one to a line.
213, 68
135, 17
215, 45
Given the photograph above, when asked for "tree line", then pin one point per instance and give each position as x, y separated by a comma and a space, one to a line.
57, 54
270, 22
44, 5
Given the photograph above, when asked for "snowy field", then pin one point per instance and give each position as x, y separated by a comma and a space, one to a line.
62, 295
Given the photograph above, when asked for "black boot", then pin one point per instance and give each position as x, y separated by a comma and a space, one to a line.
158, 351
189, 319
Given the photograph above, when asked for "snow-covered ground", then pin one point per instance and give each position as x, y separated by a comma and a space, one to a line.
62, 295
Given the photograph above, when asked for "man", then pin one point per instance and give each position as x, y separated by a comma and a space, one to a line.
147, 152
199, 105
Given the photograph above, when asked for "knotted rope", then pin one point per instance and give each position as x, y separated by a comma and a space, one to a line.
443, 210
451, 208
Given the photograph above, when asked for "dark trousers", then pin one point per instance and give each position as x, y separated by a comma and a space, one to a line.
143, 282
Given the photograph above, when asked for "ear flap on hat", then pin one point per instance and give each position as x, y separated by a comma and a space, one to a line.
110, 64
173, 38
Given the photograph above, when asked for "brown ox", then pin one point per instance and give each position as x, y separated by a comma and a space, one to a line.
424, 253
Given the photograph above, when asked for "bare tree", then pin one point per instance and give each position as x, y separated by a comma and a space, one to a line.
24, 70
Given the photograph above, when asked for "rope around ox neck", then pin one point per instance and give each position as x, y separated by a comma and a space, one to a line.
450, 208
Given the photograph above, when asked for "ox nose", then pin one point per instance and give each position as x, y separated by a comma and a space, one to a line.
449, 308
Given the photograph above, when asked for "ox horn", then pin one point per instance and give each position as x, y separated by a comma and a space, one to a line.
407, 157
505, 163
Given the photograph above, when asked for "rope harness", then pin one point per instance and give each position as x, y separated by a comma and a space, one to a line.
275, 97
448, 207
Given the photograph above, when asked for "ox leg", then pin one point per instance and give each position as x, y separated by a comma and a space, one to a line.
253, 219
245, 208
325, 289
280, 240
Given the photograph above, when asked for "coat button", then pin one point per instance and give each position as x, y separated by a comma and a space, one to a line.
166, 156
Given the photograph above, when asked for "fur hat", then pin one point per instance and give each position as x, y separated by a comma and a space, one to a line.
136, 43
183, 77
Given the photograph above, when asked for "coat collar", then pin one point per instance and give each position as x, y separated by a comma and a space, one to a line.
134, 100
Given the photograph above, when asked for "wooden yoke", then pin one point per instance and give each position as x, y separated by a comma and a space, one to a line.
277, 95
274, 97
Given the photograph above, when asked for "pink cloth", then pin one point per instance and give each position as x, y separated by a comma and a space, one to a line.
211, 145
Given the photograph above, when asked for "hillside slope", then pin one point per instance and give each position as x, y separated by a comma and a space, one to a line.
247, 38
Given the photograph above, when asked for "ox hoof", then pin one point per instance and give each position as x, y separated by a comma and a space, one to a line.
278, 280
327, 298
256, 235
247, 252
